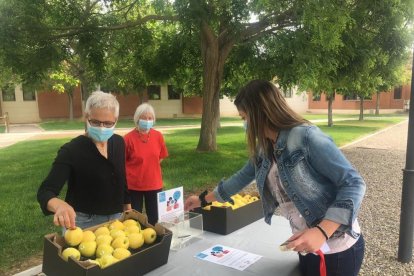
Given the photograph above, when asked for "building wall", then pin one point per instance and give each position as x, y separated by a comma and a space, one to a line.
298, 102
165, 108
192, 105
21, 111
387, 102
54, 105
128, 104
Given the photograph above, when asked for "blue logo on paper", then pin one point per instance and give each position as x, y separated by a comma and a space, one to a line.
162, 197
176, 195
201, 255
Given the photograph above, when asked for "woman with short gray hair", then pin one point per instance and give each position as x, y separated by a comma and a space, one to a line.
93, 165
144, 150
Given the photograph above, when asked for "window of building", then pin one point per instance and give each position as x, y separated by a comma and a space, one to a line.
351, 97
398, 93
29, 93
154, 92
173, 93
316, 97
287, 92
8, 93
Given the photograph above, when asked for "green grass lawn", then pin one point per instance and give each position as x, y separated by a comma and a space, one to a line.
25, 164
128, 123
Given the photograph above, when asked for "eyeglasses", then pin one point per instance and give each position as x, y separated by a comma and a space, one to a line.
97, 123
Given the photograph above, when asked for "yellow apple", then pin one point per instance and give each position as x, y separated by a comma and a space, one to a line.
73, 237
88, 235
70, 251
149, 235
247, 197
103, 230
120, 242
88, 248
106, 260
132, 229
130, 222
121, 253
104, 249
227, 204
136, 240
216, 204
116, 225
115, 233
104, 239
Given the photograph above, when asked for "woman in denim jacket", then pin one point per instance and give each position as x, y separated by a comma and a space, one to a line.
299, 169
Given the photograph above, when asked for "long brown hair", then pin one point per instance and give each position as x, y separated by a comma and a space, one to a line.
265, 108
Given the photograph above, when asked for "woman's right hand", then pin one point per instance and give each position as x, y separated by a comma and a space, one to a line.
64, 213
191, 203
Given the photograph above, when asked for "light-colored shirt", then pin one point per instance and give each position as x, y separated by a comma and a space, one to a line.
296, 220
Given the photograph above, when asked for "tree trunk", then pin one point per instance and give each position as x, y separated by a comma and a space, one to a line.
330, 121
361, 109
377, 104
214, 53
70, 96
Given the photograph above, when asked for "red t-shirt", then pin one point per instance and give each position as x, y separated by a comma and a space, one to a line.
142, 160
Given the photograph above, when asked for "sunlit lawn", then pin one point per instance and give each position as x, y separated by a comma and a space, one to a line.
25, 164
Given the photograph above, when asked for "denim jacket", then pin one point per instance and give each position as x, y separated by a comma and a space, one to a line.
315, 174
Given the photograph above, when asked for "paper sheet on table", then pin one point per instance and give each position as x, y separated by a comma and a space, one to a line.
227, 256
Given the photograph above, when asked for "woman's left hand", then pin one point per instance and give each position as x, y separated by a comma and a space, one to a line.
307, 241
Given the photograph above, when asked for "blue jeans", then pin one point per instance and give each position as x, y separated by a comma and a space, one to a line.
83, 220
345, 263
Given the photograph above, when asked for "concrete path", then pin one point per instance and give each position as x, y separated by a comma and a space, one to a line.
391, 138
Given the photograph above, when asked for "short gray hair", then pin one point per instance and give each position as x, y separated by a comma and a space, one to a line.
143, 108
99, 99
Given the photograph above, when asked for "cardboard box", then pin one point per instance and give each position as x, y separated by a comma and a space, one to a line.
223, 221
140, 262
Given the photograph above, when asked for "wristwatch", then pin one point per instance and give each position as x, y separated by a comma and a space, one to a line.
202, 198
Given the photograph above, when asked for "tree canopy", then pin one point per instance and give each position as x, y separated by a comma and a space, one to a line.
209, 47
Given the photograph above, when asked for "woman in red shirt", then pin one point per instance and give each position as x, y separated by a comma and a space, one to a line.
144, 150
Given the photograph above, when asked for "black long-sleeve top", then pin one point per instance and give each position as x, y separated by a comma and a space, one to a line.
96, 185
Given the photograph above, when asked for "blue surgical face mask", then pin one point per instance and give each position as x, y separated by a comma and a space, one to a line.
145, 124
245, 125
100, 134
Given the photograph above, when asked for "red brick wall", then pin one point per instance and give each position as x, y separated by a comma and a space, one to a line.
193, 105
128, 104
53, 105
387, 101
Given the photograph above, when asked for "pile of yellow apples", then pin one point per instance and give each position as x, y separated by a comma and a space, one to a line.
107, 244
239, 201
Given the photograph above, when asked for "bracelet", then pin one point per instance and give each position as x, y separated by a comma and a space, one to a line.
202, 198
323, 231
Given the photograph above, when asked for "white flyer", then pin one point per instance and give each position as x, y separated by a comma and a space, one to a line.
227, 256
171, 205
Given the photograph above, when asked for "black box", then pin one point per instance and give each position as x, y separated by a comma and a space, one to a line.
143, 261
223, 220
